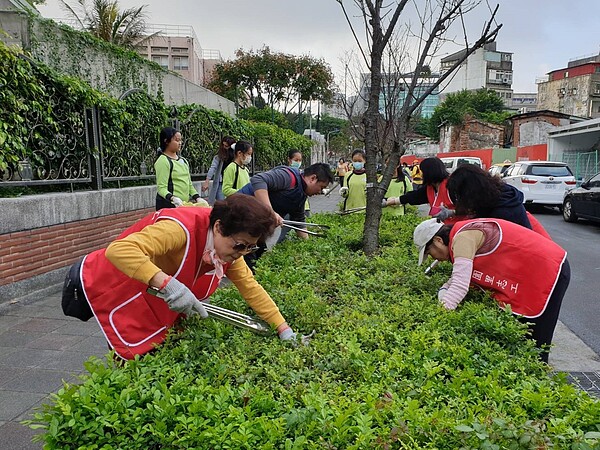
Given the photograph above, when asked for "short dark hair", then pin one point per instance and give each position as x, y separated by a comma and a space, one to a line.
359, 152
434, 170
474, 190
321, 170
292, 152
166, 134
241, 213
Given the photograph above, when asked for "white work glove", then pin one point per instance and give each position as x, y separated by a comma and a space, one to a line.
384, 203
344, 191
444, 214
176, 201
442, 291
287, 335
182, 300
325, 191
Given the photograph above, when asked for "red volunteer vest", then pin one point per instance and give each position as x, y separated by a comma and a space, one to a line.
537, 226
133, 321
439, 199
509, 272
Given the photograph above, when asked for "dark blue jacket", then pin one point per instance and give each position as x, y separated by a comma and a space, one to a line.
509, 207
285, 186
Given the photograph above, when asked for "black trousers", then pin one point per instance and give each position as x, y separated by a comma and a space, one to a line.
542, 327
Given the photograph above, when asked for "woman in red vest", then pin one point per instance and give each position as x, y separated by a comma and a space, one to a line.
434, 191
184, 252
520, 267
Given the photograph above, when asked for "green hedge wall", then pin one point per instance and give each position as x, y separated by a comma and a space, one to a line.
41, 109
388, 368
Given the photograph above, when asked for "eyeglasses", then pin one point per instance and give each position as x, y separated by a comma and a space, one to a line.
245, 248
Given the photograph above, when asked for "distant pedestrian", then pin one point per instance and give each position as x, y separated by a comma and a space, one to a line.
342, 169
416, 174
219, 162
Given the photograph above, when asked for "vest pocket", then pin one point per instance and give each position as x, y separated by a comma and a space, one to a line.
135, 322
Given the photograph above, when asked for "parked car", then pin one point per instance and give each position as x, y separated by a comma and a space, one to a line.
499, 169
542, 182
452, 162
583, 202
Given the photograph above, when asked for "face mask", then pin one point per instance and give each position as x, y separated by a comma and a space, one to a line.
358, 165
295, 164
247, 160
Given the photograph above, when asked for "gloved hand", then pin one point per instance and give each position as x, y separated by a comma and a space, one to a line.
344, 191
325, 191
182, 300
176, 201
444, 213
287, 335
383, 203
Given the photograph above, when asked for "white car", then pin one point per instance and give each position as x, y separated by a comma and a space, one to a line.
542, 182
452, 162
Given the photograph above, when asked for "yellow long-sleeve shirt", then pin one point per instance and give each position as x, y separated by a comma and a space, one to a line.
161, 247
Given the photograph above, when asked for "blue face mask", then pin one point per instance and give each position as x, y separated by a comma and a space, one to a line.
295, 164
358, 165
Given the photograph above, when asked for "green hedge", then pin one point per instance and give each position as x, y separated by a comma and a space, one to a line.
388, 368
41, 109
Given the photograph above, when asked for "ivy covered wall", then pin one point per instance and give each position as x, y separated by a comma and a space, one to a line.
105, 67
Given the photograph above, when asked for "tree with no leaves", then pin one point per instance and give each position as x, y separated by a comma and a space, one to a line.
402, 49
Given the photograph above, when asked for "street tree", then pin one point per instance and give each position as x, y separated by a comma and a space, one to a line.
397, 57
104, 20
264, 78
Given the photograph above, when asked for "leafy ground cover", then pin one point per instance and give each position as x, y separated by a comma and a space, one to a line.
388, 368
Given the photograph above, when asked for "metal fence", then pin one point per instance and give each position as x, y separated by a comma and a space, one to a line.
583, 164
80, 149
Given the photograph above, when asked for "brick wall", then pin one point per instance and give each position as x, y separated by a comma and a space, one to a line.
24, 254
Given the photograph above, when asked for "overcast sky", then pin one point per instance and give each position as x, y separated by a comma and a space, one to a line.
543, 35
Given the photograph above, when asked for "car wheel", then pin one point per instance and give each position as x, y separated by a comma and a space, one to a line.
568, 213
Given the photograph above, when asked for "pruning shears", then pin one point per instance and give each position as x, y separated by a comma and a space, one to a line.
301, 226
351, 211
234, 318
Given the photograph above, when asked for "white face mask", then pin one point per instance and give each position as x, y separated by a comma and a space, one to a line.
247, 160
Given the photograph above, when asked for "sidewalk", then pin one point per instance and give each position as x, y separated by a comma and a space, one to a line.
40, 347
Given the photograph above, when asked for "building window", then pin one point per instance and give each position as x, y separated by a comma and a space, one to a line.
179, 50
162, 61
159, 49
180, 63
567, 74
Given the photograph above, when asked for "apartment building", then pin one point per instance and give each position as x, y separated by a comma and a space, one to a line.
177, 48
485, 68
394, 90
573, 90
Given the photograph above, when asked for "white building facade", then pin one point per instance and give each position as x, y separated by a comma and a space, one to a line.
485, 68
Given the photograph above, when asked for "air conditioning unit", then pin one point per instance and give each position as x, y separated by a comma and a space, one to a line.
506, 80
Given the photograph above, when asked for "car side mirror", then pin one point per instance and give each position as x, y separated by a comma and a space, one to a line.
585, 185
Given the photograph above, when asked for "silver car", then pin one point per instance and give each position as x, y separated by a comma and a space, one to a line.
542, 182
